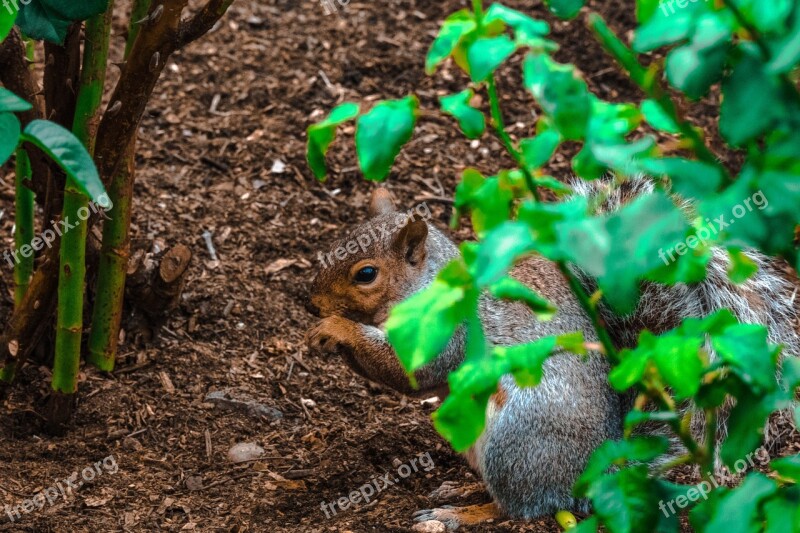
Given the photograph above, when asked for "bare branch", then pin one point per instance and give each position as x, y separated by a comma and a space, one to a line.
197, 26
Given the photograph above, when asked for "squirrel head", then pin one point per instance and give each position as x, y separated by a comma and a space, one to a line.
379, 264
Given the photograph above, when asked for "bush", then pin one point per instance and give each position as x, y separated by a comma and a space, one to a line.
748, 48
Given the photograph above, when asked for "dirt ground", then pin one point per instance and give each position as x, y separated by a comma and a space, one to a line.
222, 150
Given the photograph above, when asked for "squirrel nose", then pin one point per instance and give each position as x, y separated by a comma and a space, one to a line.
311, 308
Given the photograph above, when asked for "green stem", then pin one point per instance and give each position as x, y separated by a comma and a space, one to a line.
110, 290
72, 271
24, 226
114, 254
477, 8
650, 85
574, 283
505, 138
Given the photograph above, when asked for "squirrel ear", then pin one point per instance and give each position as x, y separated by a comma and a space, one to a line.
380, 203
410, 241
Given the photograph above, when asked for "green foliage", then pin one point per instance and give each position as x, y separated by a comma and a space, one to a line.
381, 133
471, 120
50, 19
62, 146
7, 19
750, 49
322, 134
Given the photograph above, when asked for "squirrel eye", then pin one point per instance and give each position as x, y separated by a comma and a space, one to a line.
366, 275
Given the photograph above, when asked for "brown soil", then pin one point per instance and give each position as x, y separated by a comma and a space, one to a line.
225, 110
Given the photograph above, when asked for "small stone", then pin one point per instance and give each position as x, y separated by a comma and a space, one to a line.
245, 451
431, 526
132, 445
308, 402
194, 483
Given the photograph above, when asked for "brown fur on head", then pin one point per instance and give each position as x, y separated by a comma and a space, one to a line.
391, 244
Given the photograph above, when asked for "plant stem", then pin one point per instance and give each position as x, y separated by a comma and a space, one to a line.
477, 8
23, 236
69, 322
115, 251
650, 85
114, 254
24, 222
24, 226
574, 283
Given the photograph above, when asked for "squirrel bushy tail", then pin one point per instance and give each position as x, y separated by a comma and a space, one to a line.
767, 298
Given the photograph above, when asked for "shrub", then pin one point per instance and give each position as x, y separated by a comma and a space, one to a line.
750, 50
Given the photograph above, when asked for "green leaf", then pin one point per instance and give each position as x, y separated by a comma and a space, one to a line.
620, 248
489, 200
646, 9
322, 134
691, 179
782, 511
420, 327
610, 453
741, 267
786, 51
471, 120
565, 9
624, 500
454, 29
746, 426
7, 18
499, 250
752, 102
788, 468
537, 151
737, 511
486, 54
669, 24
11, 102
66, 150
82, 10
656, 117
9, 135
746, 349
525, 27
766, 17
526, 361
510, 289
560, 93
381, 133
38, 21
694, 67
50, 19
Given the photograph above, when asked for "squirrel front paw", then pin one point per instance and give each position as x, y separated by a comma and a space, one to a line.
331, 335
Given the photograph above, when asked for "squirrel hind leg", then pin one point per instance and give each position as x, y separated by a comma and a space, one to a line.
455, 517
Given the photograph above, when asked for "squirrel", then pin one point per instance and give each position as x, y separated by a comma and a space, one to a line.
537, 441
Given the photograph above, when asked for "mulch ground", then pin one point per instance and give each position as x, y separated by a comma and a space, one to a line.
222, 150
